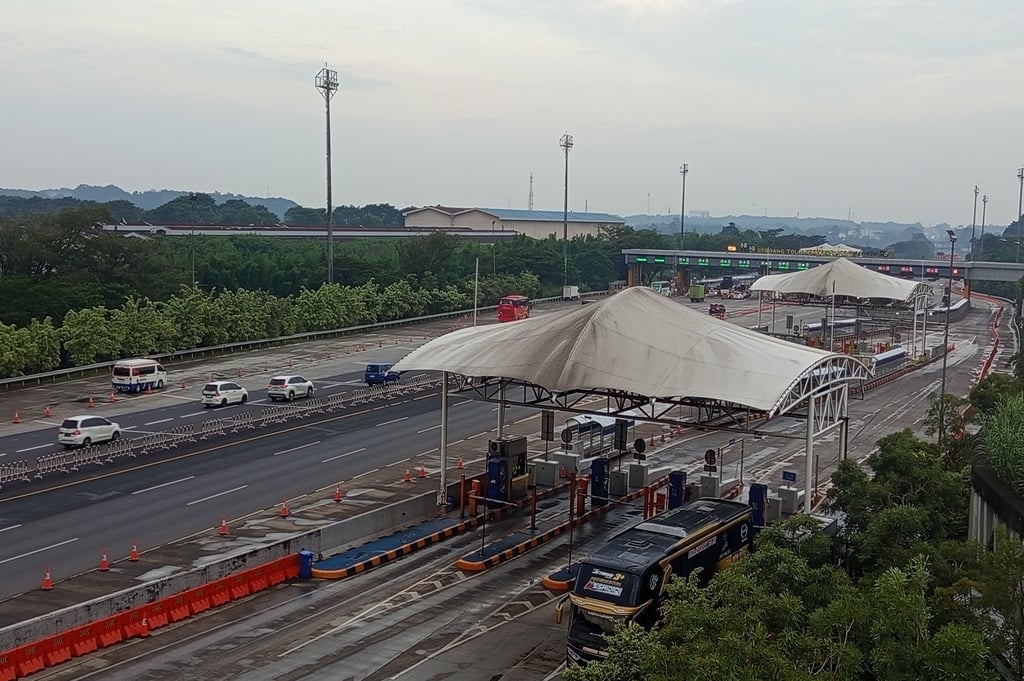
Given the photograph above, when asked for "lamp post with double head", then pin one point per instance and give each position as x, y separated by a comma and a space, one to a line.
945, 337
192, 196
566, 143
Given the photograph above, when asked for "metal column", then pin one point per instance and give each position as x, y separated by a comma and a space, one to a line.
442, 492
809, 453
501, 411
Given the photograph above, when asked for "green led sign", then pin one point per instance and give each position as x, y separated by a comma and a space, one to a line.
659, 260
744, 263
725, 263
703, 262
783, 265
684, 261
641, 258
802, 266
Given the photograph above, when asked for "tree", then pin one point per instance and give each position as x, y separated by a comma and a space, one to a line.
88, 336
1004, 440
989, 390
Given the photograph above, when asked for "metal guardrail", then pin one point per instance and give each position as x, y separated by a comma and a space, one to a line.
98, 455
242, 346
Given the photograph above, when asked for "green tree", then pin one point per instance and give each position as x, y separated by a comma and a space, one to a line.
990, 390
88, 336
1004, 440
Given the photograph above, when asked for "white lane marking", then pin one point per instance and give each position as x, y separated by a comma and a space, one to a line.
12, 527
341, 456
45, 548
388, 423
459, 404
295, 449
153, 423
428, 429
198, 413
29, 449
163, 484
214, 496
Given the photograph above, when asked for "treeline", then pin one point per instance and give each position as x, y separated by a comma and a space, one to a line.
899, 594
203, 209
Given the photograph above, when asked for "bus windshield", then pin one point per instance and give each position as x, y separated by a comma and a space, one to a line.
588, 629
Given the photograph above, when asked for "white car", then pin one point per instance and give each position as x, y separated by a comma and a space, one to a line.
221, 393
82, 431
289, 387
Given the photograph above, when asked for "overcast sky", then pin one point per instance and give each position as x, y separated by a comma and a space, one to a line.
879, 109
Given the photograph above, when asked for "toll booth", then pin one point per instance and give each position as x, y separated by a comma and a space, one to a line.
507, 476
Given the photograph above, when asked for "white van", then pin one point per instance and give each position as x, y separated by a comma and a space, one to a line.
137, 375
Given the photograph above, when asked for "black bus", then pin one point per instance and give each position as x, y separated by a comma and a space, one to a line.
624, 580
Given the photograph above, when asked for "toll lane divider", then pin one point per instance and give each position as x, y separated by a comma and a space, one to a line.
468, 564
98, 455
139, 621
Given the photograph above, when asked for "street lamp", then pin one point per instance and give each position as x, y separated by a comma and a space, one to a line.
1020, 197
566, 143
981, 241
683, 169
974, 219
192, 238
945, 337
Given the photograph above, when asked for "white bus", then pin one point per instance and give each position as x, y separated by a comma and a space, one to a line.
137, 375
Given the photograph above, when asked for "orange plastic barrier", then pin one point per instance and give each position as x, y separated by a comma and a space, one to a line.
177, 607
238, 585
108, 631
83, 640
220, 592
29, 659
199, 599
257, 579
157, 615
131, 623
8, 670
57, 649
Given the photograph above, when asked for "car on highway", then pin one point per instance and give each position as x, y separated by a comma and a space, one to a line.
716, 310
82, 431
289, 387
221, 393
380, 374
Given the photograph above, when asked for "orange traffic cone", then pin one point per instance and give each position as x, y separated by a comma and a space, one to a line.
423, 471
460, 465
134, 555
264, 366
563, 472
149, 389
112, 399
337, 494
183, 384
16, 419
47, 411
144, 628
47, 582
284, 509
223, 526
408, 475
104, 563
91, 403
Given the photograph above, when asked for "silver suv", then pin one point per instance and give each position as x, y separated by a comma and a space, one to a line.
82, 431
289, 387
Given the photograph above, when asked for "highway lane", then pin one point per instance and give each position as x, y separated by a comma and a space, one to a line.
67, 528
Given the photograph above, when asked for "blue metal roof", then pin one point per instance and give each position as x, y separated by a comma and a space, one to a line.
550, 215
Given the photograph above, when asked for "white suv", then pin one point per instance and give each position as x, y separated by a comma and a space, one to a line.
289, 387
82, 431
220, 393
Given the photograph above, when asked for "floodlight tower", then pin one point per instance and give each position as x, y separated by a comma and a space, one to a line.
566, 143
327, 84
945, 336
981, 242
683, 169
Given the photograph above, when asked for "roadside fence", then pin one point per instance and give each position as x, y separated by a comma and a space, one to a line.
97, 455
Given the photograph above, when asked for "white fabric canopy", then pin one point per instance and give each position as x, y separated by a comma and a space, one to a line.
637, 341
841, 277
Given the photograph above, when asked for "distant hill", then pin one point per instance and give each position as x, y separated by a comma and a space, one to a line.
146, 200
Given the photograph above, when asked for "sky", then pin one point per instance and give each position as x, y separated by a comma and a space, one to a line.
872, 109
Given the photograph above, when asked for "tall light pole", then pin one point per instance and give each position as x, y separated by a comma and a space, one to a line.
974, 220
683, 169
566, 143
981, 242
327, 84
945, 338
1020, 176
192, 196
